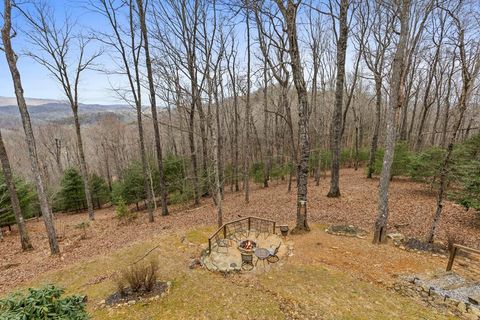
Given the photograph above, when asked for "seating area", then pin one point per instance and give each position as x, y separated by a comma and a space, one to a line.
246, 244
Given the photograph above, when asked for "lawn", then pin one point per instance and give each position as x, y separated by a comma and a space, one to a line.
327, 278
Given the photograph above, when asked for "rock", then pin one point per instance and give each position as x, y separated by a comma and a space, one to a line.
462, 307
131, 302
102, 303
396, 237
195, 263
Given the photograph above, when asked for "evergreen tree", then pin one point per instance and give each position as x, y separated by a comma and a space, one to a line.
99, 189
26, 195
72, 193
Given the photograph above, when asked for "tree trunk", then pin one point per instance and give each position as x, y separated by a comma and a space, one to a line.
376, 128
153, 103
467, 79
266, 155
397, 89
83, 164
290, 16
246, 163
336, 131
7, 173
27, 126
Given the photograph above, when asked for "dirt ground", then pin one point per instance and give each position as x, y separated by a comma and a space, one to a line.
412, 206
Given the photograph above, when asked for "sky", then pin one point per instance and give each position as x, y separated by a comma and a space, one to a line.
94, 87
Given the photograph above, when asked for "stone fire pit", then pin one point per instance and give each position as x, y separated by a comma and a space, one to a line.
232, 247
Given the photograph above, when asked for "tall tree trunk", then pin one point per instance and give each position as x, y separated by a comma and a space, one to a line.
83, 164
153, 103
17, 211
397, 91
246, 163
267, 155
336, 131
376, 128
27, 126
290, 16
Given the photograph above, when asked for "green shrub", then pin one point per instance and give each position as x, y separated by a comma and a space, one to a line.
426, 165
122, 212
26, 195
401, 160
256, 171
43, 303
181, 196
173, 167
464, 173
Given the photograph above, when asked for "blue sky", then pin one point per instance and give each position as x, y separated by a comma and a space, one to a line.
37, 83
95, 86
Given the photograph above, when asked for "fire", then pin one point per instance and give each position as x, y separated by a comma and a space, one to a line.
248, 244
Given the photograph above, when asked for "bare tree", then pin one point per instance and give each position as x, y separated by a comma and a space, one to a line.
336, 129
27, 126
153, 103
396, 92
15, 203
53, 50
470, 68
378, 22
289, 13
126, 44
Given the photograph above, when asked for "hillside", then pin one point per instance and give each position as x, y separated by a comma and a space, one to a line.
44, 111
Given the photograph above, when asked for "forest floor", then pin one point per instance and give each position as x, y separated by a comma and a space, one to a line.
322, 263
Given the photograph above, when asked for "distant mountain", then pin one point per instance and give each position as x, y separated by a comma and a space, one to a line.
54, 111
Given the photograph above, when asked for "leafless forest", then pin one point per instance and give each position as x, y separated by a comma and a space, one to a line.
243, 92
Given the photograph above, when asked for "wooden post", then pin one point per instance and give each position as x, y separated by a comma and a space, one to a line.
274, 227
224, 231
209, 245
452, 258
249, 223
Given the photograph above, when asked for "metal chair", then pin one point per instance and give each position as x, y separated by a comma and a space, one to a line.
273, 257
221, 243
262, 254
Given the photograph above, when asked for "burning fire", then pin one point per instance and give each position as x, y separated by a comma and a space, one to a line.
248, 244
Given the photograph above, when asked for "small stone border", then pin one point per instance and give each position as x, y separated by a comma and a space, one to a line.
407, 287
359, 233
102, 304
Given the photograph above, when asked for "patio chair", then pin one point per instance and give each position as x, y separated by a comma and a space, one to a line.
273, 257
262, 254
221, 243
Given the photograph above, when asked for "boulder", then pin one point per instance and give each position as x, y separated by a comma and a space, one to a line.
396, 237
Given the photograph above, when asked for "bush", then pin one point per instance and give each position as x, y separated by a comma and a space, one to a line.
139, 276
43, 303
426, 165
122, 212
401, 160
180, 197
26, 195
465, 173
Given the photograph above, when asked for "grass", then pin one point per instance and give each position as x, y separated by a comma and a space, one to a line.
293, 289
